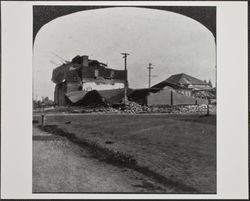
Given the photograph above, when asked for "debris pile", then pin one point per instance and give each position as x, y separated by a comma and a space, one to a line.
204, 94
100, 109
129, 108
183, 109
135, 108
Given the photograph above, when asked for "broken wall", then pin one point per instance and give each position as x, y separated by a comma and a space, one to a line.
163, 97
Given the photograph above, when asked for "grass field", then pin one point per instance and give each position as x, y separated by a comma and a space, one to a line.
182, 148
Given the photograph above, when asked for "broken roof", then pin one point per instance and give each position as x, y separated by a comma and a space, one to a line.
60, 73
112, 96
183, 79
164, 83
76, 96
94, 70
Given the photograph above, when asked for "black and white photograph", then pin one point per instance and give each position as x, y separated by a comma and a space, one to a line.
124, 99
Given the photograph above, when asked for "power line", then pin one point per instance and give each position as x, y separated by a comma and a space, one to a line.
150, 68
126, 79
125, 59
62, 59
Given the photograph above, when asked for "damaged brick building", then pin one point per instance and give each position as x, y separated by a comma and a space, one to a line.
74, 79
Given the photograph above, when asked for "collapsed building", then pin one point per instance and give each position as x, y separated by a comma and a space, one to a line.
76, 78
84, 82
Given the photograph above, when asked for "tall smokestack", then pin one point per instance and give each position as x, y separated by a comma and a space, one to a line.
85, 61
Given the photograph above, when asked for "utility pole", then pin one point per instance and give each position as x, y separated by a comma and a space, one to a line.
149, 74
126, 79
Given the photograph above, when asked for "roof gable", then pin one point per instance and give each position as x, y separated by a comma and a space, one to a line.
184, 79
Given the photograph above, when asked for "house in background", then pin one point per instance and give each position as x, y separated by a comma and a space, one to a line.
179, 89
187, 81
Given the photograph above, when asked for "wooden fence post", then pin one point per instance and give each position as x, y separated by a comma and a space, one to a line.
171, 98
43, 120
43, 117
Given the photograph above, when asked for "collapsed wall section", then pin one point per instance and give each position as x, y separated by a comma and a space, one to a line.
164, 96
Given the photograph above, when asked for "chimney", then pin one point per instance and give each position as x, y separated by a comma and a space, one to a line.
85, 61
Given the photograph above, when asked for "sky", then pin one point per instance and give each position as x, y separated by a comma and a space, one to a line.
173, 43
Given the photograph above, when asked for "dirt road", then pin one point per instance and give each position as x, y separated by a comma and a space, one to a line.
61, 166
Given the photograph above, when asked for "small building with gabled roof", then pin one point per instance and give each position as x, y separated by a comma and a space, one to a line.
184, 80
178, 89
